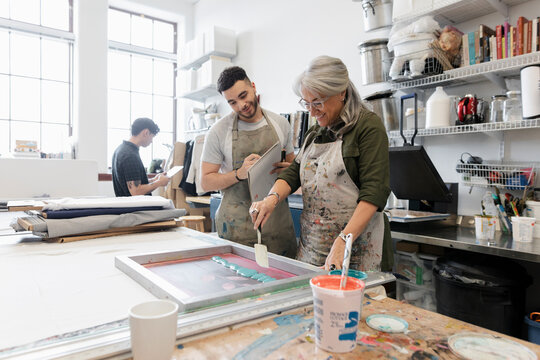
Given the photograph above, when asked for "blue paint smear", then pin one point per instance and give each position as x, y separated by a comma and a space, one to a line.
180, 346
224, 228
290, 327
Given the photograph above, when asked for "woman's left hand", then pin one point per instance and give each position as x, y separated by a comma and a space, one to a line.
335, 256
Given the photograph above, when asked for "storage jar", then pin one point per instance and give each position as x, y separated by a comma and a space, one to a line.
512, 106
374, 61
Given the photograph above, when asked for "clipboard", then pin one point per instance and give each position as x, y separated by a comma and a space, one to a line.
174, 170
260, 181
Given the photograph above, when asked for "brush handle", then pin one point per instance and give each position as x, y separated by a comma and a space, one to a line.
346, 261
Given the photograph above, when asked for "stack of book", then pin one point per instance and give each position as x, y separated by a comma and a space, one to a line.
504, 42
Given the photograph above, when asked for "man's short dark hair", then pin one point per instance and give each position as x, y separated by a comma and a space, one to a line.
229, 77
143, 123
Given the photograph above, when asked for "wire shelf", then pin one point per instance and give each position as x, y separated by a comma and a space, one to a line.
468, 74
468, 129
509, 66
201, 94
457, 11
512, 176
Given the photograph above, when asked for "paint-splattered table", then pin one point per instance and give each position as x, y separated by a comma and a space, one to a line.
291, 336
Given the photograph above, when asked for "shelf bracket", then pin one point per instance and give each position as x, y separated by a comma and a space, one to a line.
499, 136
501, 7
496, 79
501, 147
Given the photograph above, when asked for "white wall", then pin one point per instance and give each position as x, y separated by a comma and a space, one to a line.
90, 101
277, 39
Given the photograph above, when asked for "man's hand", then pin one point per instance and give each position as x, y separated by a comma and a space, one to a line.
161, 180
248, 163
280, 166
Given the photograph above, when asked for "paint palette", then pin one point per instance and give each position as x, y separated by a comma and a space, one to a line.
192, 279
473, 346
387, 323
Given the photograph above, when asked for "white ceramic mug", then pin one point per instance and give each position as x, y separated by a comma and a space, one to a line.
153, 329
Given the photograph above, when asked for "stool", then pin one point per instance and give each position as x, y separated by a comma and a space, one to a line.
196, 222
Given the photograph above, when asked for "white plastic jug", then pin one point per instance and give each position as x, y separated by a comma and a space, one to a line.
438, 109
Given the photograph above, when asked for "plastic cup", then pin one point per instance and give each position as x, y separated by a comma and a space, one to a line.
523, 228
153, 329
533, 209
337, 312
485, 227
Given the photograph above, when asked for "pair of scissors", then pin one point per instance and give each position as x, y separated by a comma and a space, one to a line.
535, 316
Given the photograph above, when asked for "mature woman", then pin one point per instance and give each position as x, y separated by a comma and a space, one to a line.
343, 169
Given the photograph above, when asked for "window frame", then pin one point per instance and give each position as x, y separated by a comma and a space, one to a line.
42, 32
152, 54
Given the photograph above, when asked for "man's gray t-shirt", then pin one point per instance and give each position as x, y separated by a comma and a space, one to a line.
218, 142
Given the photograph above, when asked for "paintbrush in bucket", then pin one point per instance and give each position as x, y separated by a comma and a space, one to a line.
261, 253
346, 261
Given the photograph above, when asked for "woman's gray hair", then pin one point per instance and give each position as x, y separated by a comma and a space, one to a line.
328, 76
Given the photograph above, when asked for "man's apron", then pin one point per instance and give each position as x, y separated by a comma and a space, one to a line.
233, 221
330, 197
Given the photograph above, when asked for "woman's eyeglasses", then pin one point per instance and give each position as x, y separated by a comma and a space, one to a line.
317, 105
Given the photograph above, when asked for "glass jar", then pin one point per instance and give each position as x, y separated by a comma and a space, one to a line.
496, 108
512, 107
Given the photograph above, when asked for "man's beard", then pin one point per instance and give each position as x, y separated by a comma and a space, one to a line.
254, 105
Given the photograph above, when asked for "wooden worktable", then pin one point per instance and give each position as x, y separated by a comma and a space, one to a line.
292, 336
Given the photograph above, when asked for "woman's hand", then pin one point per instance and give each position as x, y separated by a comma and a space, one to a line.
335, 256
260, 211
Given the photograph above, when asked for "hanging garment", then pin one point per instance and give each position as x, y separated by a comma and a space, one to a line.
194, 176
188, 187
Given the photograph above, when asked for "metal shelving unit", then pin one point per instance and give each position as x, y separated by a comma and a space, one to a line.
457, 11
492, 70
469, 129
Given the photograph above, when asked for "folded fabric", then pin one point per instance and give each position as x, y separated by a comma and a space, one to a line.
97, 223
75, 213
111, 202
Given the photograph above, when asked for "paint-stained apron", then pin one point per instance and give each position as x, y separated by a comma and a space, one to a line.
233, 221
330, 196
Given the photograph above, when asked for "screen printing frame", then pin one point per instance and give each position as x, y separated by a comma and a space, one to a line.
133, 266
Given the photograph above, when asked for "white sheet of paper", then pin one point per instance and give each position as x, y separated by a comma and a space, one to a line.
260, 181
174, 170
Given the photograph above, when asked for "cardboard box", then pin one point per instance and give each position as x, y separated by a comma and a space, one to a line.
431, 249
407, 246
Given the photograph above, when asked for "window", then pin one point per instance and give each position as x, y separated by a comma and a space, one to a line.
36, 62
142, 73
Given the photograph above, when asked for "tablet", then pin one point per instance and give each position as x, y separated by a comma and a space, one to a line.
174, 170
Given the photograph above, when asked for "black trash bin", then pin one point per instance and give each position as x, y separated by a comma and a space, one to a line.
498, 304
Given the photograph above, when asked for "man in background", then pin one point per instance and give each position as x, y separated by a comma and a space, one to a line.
128, 172
231, 147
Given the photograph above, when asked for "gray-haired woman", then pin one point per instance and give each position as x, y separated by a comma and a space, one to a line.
343, 169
